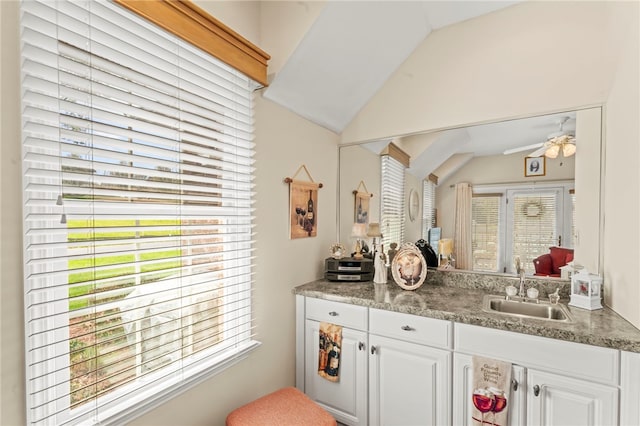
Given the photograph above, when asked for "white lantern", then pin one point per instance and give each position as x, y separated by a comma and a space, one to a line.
586, 290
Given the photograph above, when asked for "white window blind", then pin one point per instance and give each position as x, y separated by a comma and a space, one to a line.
536, 226
519, 221
428, 207
138, 197
485, 232
392, 194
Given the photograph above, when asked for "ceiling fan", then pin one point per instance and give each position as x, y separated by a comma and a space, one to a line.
556, 141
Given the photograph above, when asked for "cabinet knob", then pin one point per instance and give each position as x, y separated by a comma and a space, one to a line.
514, 384
333, 313
536, 390
407, 328
360, 346
373, 350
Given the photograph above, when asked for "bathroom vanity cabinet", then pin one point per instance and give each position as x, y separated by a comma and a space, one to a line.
463, 389
409, 369
403, 368
554, 382
395, 368
346, 399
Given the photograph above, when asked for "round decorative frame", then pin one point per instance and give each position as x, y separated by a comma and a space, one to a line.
414, 204
409, 269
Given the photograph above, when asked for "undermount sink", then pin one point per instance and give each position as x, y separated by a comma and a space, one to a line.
526, 309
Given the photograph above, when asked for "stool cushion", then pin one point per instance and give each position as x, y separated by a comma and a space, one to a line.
287, 406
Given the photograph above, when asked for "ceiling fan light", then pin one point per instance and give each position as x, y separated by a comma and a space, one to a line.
552, 151
568, 149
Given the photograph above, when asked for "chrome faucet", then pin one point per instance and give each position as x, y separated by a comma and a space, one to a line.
521, 293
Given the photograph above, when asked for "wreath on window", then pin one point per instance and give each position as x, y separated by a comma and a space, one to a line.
532, 209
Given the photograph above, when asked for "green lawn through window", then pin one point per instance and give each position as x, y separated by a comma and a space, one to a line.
98, 230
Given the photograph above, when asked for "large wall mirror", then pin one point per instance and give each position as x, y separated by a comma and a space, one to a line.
492, 158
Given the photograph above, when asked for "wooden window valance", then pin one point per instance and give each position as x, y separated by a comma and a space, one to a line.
394, 151
192, 24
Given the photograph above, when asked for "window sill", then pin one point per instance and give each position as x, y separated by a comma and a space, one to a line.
148, 403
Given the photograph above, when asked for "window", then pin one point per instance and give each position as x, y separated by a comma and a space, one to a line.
485, 231
392, 194
519, 221
534, 224
138, 190
428, 205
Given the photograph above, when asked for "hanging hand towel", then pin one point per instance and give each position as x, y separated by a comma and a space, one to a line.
491, 386
329, 351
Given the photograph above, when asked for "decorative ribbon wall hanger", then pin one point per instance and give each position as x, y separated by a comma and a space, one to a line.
361, 203
303, 205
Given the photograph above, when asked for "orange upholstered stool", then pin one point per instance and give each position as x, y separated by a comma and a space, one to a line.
284, 407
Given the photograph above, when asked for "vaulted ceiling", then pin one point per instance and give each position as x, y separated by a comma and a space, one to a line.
353, 47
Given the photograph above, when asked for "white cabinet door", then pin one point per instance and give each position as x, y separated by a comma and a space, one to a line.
409, 384
463, 389
346, 399
553, 399
630, 388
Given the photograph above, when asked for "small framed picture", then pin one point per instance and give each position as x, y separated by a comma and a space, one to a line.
534, 166
408, 268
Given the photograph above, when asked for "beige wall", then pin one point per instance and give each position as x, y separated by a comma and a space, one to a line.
12, 403
295, 17
283, 142
588, 160
528, 59
622, 182
276, 26
357, 164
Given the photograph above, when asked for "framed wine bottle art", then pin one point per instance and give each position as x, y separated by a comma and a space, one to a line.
303, 206
361, 204
304, 210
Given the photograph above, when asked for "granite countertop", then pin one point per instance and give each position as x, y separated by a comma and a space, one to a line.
463, 304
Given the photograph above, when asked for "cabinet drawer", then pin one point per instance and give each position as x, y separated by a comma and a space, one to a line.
337, 313
578, 360
411, 328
